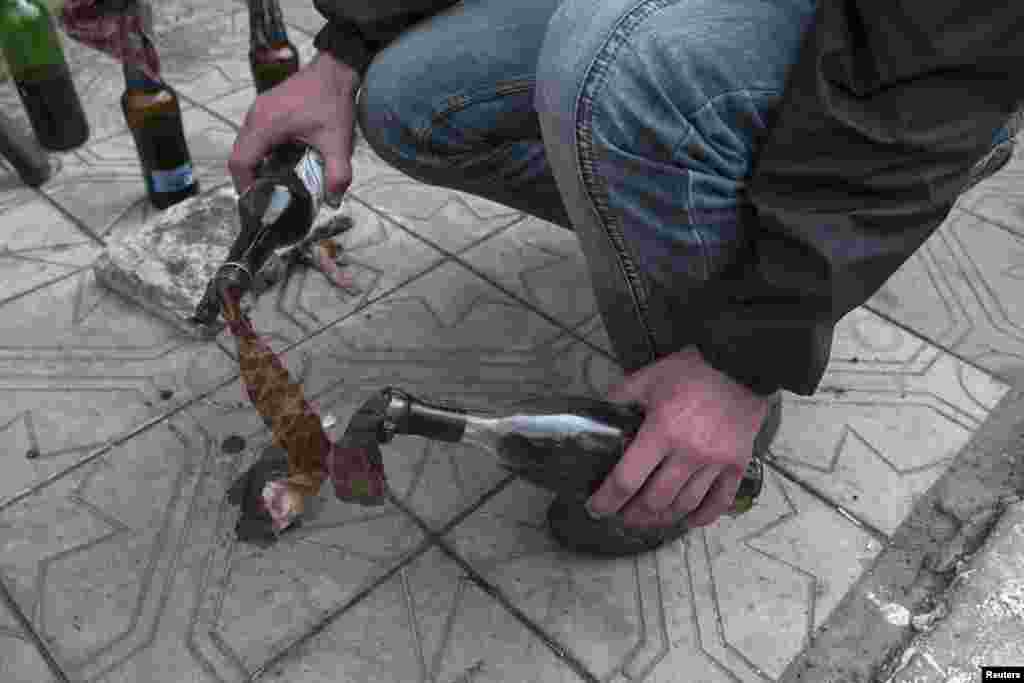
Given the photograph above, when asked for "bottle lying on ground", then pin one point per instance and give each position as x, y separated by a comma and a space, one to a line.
41, 75
566, 444
272, 57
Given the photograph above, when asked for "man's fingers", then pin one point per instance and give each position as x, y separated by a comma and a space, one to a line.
337, 174
258, 137
632, 388
674, 478
718, 499
640, 459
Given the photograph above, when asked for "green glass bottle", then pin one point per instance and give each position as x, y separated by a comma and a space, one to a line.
153, 115
272, 57
41, 74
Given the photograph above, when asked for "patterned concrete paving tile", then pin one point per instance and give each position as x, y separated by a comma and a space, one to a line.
429, 622
205, 60
779, 569
87, 556
959, 289
38, 245
170, 15
891, 414
76, 318
541, 262
450, 219
701, 606
253, 604
60, 409
101, 184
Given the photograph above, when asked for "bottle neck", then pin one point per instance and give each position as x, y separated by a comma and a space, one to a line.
407, 415
266, 24
134, 76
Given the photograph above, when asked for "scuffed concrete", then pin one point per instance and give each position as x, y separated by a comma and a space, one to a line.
165, 264
985, 626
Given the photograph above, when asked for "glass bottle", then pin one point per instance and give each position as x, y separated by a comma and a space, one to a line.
153, 115
272, 57
275, 212
35, 59
23, 152
566, 444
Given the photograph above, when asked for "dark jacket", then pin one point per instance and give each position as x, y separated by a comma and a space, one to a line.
889, 107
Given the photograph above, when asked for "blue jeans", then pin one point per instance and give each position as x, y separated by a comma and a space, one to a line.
632, 122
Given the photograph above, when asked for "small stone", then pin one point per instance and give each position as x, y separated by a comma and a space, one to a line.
233, 444
165, 394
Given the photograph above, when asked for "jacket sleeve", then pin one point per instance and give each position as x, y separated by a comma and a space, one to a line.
889, 106
357, 29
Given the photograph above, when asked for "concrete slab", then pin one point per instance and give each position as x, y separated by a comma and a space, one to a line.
984, 608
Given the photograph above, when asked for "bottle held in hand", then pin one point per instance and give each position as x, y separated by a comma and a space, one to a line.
272, 57
275, 212
566, 444
35, 58
153, 114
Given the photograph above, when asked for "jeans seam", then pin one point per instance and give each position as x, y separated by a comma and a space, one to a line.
461, 101
593, 82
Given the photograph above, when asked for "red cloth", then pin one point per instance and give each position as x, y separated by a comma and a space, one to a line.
107, 26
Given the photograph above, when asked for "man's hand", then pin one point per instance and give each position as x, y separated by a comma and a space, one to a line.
315, 106
688, 458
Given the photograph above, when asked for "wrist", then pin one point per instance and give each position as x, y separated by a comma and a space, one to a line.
340, 75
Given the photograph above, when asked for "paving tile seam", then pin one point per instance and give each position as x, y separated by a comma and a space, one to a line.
560, 651
30, 633
970, 362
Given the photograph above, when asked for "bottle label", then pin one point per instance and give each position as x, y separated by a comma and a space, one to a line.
174, 180
310, 170
266, 23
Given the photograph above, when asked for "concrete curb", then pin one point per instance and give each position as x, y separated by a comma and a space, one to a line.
985, 622
866, 635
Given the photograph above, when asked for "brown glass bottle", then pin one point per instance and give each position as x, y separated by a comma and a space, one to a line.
272, 57
275, 212
152, 112
41, 75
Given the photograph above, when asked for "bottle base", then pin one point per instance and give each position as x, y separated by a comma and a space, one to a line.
166, 200
576, 531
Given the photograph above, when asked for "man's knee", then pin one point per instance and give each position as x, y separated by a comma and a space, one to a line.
691, 82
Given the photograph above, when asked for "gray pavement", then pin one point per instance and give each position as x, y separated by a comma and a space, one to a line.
116, 541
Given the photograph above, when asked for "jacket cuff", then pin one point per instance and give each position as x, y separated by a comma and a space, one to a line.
344, 42
768, 354
730, 361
